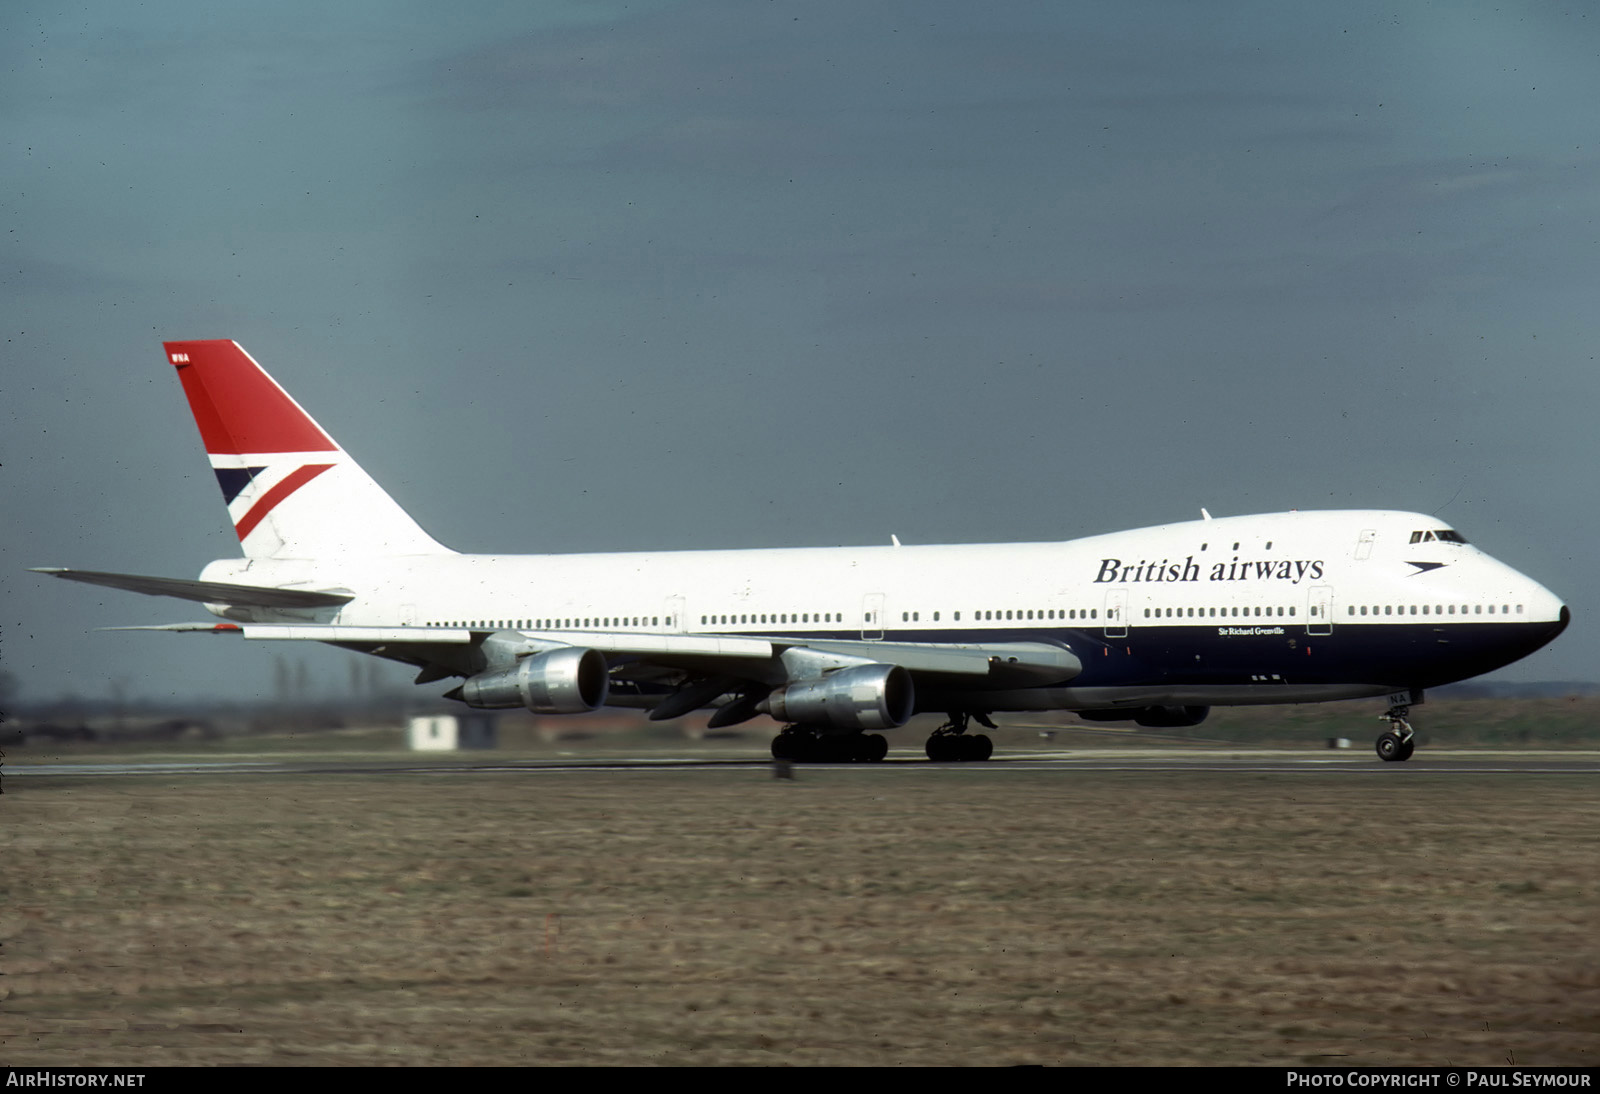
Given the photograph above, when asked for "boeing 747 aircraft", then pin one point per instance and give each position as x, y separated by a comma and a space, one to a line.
1153, 626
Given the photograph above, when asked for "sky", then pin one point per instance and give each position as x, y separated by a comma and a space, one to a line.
727, 273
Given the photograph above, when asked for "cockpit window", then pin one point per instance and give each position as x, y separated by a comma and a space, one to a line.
1444, 535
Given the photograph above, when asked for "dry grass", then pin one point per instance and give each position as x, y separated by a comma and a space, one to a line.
862, 916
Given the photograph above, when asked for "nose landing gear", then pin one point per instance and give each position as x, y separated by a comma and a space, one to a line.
1396, 744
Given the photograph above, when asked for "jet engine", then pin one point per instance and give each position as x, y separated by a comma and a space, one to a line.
1151, 717
863, 697
570, 680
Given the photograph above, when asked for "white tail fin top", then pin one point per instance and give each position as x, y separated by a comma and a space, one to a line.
290, 490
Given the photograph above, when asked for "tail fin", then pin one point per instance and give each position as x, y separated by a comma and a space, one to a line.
291, 491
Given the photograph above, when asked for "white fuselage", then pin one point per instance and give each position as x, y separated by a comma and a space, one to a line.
1307, 600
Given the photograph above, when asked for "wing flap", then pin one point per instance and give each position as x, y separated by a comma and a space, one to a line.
1040, 660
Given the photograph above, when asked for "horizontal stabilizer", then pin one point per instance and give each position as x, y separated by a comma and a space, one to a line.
206, 592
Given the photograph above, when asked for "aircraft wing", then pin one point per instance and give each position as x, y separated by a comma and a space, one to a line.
206, 592
706, 645
753, 658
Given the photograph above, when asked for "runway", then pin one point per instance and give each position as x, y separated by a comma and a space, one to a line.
906, 761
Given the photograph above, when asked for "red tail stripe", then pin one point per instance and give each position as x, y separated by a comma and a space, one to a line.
238, 407
271, 498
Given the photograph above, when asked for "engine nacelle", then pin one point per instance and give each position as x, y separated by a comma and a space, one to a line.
572, 680
863, 697
1151, 717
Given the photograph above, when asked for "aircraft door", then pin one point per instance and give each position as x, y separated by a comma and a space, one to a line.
1319, 610
676, 619
872, 617
1116, 613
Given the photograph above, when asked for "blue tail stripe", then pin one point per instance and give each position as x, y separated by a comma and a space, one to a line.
233, 480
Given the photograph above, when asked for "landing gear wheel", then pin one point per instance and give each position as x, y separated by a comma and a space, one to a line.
796, 745
944, 747
800, 744
1399, 742
950, 742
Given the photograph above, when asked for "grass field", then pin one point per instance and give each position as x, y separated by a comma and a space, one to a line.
895, 915
1554, 722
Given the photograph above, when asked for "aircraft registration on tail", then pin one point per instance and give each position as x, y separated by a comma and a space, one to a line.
1153, 626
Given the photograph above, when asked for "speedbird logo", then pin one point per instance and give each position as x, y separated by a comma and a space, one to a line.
1293, 571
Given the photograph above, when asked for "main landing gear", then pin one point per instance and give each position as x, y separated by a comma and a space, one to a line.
806, 744
951, 742
1397, 743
